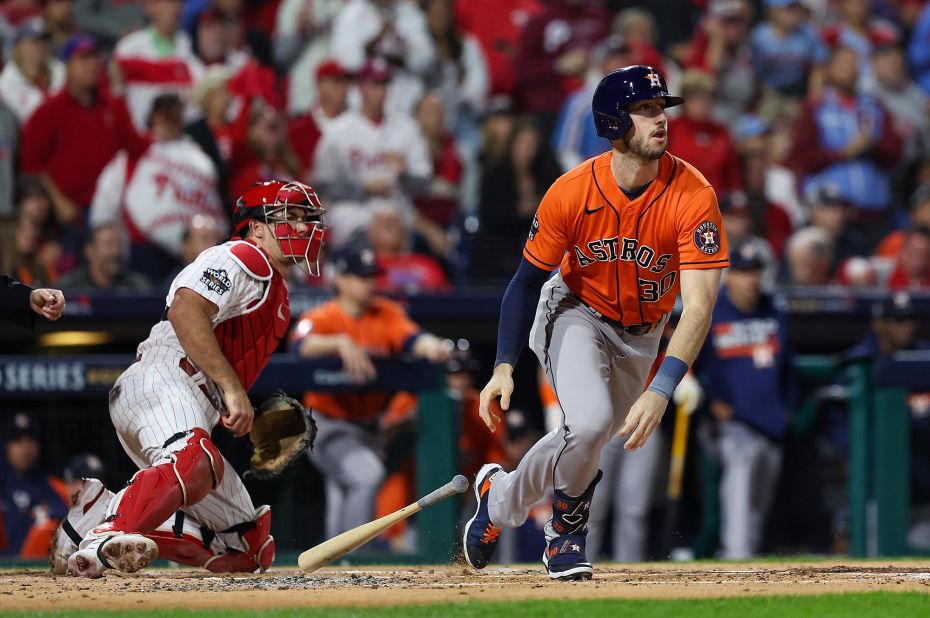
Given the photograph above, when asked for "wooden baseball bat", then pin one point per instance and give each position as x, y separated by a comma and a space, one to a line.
340, 545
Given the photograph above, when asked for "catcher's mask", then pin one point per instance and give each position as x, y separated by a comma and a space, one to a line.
270, 202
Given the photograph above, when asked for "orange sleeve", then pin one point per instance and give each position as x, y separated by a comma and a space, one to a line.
548, 237
318, 321
398, 327
702, 242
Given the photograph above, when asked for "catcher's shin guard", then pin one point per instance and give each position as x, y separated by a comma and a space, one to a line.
184, 541
154, 494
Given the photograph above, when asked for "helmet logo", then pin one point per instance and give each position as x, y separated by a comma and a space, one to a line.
654, 79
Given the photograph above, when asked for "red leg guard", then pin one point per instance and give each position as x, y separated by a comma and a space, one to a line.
258, 540
154, 494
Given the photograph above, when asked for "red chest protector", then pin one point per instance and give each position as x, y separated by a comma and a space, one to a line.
249, 339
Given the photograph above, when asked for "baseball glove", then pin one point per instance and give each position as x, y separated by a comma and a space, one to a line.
283, 429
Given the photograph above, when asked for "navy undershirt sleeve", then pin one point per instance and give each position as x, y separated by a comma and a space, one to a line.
518, 308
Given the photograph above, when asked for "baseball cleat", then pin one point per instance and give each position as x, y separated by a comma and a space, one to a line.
126, 553
89, 510
565, 559
481, 535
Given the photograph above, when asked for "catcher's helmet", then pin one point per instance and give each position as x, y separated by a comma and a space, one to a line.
624, 87
268, 202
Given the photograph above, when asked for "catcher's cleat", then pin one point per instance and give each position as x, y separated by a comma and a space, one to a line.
565, 559
88, 512
481, 535
126, 553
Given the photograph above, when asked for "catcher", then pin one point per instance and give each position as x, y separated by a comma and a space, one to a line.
225, 314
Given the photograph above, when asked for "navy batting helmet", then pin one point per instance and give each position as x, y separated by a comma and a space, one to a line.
624, 87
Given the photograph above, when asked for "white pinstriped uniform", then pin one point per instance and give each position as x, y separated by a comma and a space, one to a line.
155, 399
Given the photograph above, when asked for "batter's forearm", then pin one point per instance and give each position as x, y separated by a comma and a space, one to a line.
690, 333
195, 332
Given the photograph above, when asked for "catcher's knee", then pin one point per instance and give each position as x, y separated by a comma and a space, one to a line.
198, 466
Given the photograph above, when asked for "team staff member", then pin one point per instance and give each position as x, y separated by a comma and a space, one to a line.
750, 390
357, 326
626, 229
21, 304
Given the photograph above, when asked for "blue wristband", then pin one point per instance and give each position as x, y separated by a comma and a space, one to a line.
670, 373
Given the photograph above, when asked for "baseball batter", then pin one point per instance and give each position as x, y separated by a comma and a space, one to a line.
226, 313
624, 231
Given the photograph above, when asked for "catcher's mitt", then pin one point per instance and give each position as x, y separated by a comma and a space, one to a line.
283, 429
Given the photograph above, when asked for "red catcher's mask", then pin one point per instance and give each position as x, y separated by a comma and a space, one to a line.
274, 203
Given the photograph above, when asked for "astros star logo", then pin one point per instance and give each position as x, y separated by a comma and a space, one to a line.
709, 237
576, 547
654, 79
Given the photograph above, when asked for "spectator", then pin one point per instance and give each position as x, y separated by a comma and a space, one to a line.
738, 221
845, 137
31, 504
105, 264
369, 154
31, 74
301, 46
80, 467
912, 270
696, 136
157, 60
785, 48
332, 96
439, 203
356, 326
554, 53
30, 249
750, 391
575, 139
108, 20
905, 101
918, 51
9, 146
859, 30
497, 25
830, 212
394, 30
461, 73
58, 17
720, 48
215, 133
516, 171
401, 269
638, 29
200, 233
809, 257
93, 125
265, 154
158, 192
919, 214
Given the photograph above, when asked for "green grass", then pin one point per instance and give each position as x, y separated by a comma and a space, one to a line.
853, 605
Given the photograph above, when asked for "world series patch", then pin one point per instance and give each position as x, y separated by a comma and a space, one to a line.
216, 280
707, 238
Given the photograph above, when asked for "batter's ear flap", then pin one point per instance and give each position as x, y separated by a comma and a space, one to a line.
612, 127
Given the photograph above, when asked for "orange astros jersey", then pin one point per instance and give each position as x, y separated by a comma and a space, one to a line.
622, 257
382, 330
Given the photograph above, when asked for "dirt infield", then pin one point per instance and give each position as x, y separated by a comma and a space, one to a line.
403, 585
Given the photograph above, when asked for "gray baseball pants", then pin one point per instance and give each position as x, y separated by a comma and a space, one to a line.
597, 372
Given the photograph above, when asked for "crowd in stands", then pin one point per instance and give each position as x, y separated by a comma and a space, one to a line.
431, 128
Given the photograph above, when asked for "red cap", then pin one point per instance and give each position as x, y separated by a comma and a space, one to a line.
374, 69
330, 68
